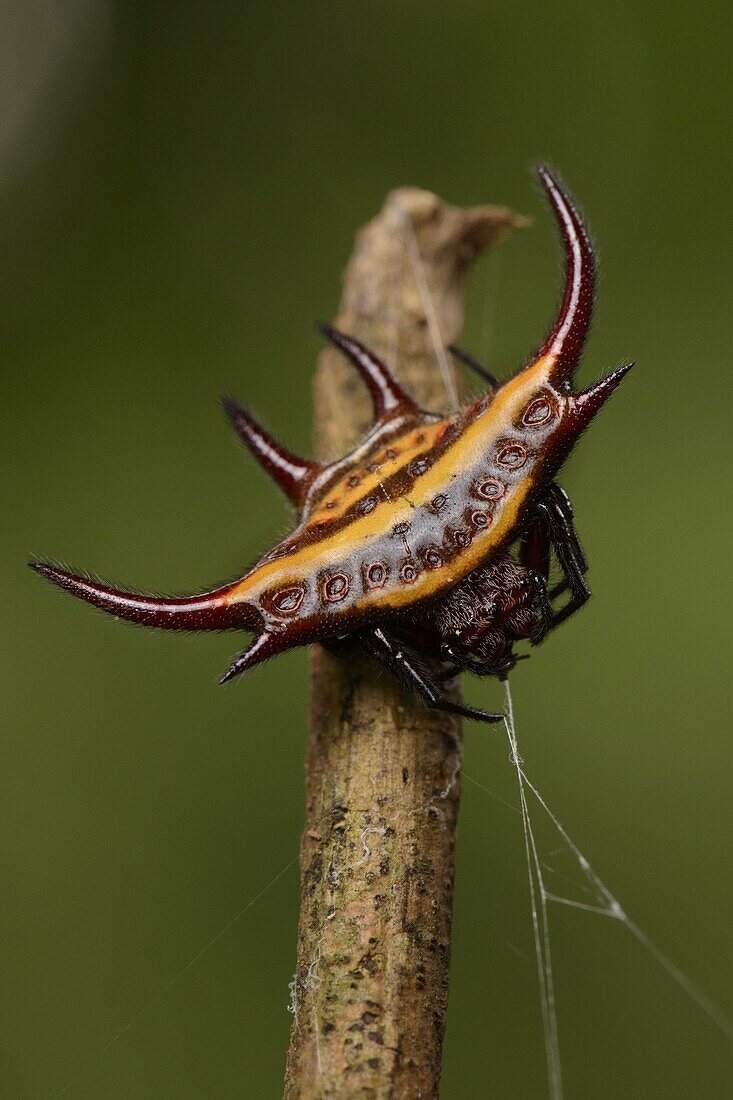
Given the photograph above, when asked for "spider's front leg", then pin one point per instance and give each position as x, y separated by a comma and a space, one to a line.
552, 528
460, 662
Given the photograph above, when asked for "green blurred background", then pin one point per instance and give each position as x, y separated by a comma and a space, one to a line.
179, 188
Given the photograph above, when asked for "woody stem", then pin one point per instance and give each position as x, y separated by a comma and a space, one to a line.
382, 773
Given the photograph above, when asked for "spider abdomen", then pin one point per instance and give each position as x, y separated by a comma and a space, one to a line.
415, 524
407, 523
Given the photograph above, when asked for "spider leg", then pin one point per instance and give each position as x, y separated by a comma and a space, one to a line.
459, 662
474, 365
408, 669
555, 529
545, 608
564, 511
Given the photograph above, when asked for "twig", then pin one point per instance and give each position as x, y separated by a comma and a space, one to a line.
371, 983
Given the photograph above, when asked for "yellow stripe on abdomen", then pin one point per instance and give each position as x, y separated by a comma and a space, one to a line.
461, 457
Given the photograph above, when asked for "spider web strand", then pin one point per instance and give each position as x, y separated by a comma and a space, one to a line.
418, 270
540, 925
607, 904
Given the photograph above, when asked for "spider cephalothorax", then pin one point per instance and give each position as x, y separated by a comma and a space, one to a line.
403, 547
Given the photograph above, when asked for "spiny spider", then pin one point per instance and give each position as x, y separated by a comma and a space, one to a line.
433, 538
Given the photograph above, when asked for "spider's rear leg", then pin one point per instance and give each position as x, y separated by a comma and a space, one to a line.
459, 662
408, 669
552, 528
474, 365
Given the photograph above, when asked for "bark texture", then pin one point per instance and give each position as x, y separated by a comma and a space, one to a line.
382, 774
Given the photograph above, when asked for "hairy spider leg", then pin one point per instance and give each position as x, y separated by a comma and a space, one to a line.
544, 605
556, 520
409, 670
474, 365
461, 663
564, 510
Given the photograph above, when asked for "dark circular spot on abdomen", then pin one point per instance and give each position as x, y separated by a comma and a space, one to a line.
336, 587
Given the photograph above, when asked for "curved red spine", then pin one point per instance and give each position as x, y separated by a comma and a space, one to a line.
390, 400
208, 611
569, 332
292, 474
